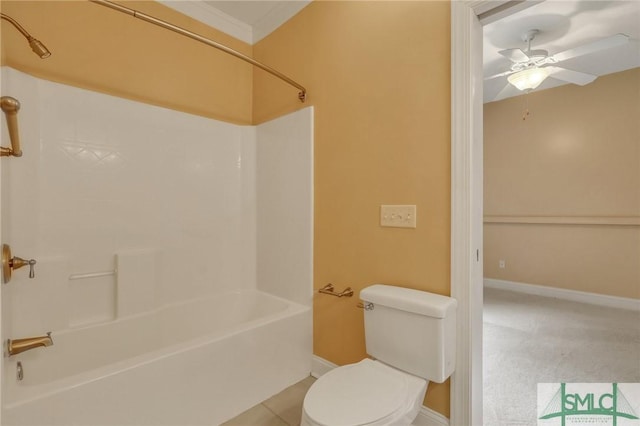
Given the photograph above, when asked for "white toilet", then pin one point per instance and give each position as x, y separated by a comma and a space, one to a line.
411, 335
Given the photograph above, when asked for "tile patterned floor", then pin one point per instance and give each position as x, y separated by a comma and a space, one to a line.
283, 409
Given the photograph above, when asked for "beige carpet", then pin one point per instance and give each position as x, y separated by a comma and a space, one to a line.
531, 339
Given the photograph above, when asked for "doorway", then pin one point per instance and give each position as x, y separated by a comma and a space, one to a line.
466, 198
557, 169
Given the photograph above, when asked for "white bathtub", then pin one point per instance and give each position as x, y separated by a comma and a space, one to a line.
195, 363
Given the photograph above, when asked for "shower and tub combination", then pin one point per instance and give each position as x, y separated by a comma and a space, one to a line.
198, 362
172, 256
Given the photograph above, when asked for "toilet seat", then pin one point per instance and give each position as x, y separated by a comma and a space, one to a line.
368, 393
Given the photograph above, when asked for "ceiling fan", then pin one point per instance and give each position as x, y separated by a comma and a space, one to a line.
531, 67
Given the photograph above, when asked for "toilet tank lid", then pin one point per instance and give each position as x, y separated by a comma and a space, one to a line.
409, 300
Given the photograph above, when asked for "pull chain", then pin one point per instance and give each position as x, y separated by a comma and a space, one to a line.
525, 111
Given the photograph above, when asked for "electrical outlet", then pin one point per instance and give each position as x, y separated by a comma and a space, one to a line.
501, 264
398, 216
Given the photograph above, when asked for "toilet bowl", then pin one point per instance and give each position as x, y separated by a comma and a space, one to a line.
368, 393
411, 334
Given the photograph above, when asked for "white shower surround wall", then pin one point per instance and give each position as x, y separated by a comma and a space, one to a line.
181, 207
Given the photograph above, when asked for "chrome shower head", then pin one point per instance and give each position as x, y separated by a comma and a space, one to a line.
36, 45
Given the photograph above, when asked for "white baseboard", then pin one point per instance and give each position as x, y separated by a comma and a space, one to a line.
426, 416
320, 366
559, 293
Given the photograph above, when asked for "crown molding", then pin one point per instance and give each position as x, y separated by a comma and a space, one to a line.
212, 17
276, 17
219, 20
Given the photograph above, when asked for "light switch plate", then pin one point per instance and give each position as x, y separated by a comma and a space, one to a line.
403, 216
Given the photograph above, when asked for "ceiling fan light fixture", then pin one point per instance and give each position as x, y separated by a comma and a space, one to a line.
528, 79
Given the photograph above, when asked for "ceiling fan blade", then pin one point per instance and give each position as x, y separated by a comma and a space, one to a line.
575, 77
515, 55
585, 49
502, 74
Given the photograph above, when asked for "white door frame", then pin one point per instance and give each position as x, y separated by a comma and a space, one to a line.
467, 18
466, 210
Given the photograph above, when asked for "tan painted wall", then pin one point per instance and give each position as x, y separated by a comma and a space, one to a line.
97, 48
378, 74
576, 158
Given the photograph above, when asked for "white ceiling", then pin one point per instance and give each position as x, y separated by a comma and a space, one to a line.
564, 25
246, 20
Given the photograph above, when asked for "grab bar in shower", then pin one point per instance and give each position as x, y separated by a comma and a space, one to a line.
10, 107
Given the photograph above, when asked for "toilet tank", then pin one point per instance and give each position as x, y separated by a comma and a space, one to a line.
411, 330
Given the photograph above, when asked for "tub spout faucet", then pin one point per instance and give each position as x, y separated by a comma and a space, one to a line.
17, 346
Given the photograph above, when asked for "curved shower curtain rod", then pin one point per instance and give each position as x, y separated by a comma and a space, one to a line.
302, 95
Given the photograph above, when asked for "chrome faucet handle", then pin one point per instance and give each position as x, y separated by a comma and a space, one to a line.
32, 272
